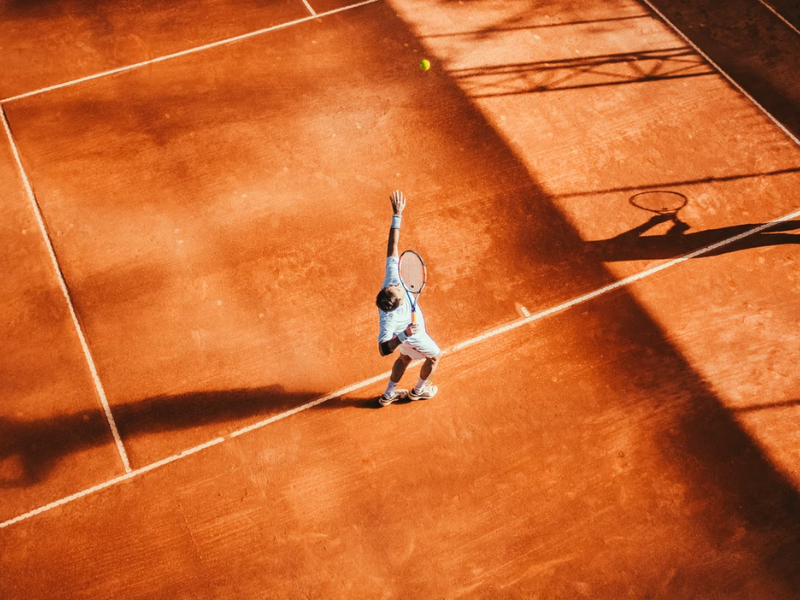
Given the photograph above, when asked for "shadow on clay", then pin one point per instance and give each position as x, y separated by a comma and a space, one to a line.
680, 240
489, 31
684, 182
750, 44
581, 72
30, 449
767, 406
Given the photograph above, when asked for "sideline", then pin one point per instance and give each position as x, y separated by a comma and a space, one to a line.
780, 16
87, 353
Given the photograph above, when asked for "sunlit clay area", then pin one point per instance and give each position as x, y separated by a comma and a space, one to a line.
399, 299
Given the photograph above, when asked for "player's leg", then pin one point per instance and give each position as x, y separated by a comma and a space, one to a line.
392, 393
425, 345
399, 368
429, 366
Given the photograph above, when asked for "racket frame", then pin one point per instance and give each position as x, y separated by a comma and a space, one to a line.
409, 293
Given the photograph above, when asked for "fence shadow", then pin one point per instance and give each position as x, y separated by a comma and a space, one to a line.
581, 72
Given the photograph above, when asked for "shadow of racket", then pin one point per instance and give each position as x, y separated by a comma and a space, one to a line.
659, 202
665, 205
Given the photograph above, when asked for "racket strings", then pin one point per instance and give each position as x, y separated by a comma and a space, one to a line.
412, 272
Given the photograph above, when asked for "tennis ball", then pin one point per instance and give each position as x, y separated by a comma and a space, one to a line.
424, 65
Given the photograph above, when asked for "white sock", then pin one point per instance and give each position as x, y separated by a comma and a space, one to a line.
390, 388
421, 383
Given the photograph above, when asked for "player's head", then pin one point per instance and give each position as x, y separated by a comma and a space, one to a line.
389, 298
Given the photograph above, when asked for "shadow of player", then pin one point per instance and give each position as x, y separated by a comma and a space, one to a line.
634, 245
29, 450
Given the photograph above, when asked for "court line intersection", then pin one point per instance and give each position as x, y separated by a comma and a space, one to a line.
187, 52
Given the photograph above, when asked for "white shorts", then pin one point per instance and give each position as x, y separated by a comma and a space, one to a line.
422, 346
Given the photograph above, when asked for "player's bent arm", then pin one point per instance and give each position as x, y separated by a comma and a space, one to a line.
389, 346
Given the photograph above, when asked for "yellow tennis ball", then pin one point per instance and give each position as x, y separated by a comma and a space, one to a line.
424, 65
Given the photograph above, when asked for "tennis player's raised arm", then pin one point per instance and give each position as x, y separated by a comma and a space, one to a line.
398, 204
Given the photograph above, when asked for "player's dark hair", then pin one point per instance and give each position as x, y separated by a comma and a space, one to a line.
386, 301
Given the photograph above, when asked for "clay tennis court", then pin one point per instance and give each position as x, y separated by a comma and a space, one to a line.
194, 218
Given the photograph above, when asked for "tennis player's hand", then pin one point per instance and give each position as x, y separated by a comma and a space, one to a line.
412, 329
660, 218
398, 202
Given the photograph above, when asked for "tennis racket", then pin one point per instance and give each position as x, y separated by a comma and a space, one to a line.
413, 275
659, 202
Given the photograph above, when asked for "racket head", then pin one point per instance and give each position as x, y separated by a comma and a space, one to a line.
413, 272
661, 202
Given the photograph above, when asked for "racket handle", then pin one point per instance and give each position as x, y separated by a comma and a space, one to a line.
413, 316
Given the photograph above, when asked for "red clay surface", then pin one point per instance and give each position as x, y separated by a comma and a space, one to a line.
227, 246
48, 42
321, 6
221, 222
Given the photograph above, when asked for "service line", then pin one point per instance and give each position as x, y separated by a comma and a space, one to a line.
159, 59
372, 380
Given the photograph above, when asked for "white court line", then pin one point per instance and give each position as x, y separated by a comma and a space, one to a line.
183, 52
721, 72
356, 386
780, 16
308, 6
65, 291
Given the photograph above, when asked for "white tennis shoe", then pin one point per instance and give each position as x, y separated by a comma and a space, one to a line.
397, 395
426, 394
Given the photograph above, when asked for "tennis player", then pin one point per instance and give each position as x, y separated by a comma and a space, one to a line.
396, 329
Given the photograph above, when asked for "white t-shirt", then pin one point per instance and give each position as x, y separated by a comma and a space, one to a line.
392, 323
